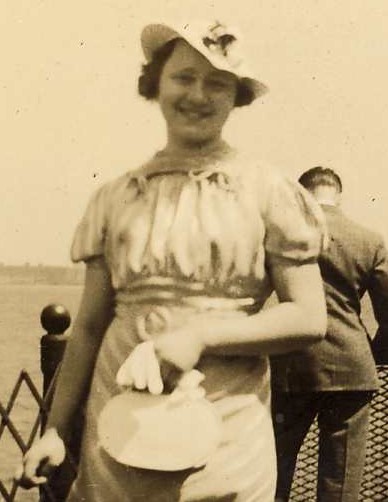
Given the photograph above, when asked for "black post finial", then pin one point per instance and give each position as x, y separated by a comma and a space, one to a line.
55, 319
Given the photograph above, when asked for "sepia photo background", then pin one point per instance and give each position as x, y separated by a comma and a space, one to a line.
72, 118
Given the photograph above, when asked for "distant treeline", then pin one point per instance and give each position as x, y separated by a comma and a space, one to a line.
41, 274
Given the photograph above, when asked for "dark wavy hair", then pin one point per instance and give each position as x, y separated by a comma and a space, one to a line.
148, 83
318, 176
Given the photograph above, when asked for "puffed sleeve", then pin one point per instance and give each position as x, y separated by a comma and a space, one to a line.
89, 237
295, 223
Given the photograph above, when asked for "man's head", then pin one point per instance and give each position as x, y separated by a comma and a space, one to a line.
324, 184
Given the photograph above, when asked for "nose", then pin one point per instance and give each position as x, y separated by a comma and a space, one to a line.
198, 92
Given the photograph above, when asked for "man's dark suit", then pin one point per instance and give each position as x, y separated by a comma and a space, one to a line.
334, 379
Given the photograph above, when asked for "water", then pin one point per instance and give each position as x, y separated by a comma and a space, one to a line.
20, 333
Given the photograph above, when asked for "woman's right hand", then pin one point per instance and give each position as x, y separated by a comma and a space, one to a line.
47, 453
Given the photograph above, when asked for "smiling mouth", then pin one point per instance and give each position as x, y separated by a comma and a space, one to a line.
195, 114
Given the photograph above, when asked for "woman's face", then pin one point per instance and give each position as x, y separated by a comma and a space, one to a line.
195, 98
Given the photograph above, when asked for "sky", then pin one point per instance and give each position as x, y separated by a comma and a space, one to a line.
73, 119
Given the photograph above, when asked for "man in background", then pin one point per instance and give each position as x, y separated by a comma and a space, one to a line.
334, 380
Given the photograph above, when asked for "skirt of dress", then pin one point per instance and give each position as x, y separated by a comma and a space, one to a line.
243, 468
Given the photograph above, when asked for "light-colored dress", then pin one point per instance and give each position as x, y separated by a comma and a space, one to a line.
185, 238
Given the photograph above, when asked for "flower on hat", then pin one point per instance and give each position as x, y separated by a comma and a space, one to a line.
217, 37
222, 41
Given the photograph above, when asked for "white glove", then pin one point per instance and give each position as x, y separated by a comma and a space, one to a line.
188, 387
48, 451
141, 370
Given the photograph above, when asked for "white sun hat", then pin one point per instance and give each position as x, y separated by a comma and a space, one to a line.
167, 432
218, 43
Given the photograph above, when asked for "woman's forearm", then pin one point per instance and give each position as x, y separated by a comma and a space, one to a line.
297, 320
73, 380
282, 328
94, 316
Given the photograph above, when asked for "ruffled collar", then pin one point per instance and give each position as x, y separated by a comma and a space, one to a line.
217, 165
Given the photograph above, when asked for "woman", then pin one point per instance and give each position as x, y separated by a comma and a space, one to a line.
184, 252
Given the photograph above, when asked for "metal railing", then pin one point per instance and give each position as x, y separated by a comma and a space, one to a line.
48, 492
374, 486
55, 320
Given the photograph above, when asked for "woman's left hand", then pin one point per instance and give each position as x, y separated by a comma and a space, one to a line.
141, 369
180, 348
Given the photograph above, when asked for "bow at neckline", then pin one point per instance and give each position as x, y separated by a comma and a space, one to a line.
215, 167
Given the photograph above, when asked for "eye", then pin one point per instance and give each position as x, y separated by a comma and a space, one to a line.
183, 78
217, 85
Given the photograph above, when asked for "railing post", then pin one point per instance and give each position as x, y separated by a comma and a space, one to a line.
55, 320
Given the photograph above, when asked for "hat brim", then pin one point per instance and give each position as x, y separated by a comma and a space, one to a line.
153, 432
155, 36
